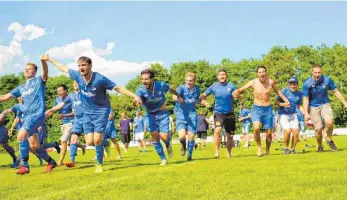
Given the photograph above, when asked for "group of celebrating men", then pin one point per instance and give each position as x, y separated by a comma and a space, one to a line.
92, 114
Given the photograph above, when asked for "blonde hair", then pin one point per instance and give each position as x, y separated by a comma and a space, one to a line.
191, 74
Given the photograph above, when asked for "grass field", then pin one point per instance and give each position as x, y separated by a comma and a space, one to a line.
307, 175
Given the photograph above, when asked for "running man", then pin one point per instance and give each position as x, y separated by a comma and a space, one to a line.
288, 114
152, 94
125, 126
317, 107
261, 113
186, 117
224, 94
245, 118
34, 107
139, 131
96, 106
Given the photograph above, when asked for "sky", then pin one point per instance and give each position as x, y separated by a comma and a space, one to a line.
123, 38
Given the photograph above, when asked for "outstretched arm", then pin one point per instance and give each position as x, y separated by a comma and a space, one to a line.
137, 100
56, 64
340, 97
178, 97
5, 97
245, 87
280, 94
44, 68
53, 110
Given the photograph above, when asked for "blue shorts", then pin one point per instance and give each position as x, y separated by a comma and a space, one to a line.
95, 123
77, 126
302, 126
3, 135
43, 133
188, 123
158, 121
246, 128
264, 115
110, 134
32, 123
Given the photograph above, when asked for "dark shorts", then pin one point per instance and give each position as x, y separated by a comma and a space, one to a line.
225, 120
3, 135
125, 138
202, 134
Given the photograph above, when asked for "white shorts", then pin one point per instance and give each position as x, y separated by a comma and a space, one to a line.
66, 132
289, 121
139, 136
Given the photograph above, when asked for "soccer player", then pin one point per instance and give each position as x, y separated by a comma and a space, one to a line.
4, 139
152, 94
245, 118
125, 125
96, 106
186, 117
224, 94
316, 104
34, 107
66, 117
261, 113
111, 133
288, 114
202, 129
139, 131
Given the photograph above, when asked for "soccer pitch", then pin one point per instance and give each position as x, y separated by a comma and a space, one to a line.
306, 175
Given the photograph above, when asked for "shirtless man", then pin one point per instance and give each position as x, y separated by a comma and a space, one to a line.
262, 110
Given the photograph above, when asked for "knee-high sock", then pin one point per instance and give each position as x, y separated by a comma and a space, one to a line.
167, 142
159, 149
183, 142
10, 151
99, 150
42, 153
73, 149
190, 147
24, 152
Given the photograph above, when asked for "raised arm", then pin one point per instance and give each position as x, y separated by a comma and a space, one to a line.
5, 97
245, 87
53, 110
178, 97
340, 97
56, 64
44, 68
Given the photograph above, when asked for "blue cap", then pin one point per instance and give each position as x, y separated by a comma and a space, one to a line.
293, 80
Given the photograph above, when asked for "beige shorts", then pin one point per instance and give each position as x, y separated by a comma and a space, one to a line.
66, 132
318, 114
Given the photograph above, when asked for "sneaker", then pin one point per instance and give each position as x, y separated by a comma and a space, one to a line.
332, 145
169, 151
23, 170
50, 167
163, 162
118, 157
15, 164
216, 155
57, 147
286, 151
183, 150
98, 168
140, 150
320, 149
70, 164
189, 158
292, 151
145, 150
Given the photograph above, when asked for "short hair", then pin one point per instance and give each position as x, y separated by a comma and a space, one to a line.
222, 70
33, 65
191, 74
63, 86
85, 59
148, 71
316, 66
261, 67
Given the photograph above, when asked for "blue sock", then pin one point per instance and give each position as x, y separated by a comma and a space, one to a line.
190, 148
42, 153
24, 152
183, 142
105, 142
99, 149
167, 142
159, 149
73, 149
49, 145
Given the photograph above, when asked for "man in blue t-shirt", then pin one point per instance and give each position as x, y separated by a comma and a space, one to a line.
186, 117
261, 113
139, 131
224, 117
34, 107
245, 118
152, 94
66, 117
288, 114
316, 104
96, 105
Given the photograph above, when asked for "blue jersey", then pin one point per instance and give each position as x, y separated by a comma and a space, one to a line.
77, 105
67, 108
153, 100
17, 108
93, 93
33, 94
190, 98
244, 112
139, 123
224, 101
294, 98
317, 91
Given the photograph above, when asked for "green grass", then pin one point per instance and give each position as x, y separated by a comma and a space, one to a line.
308, 175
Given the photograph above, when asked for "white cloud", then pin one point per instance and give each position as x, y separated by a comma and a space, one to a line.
109, 67
28, 32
